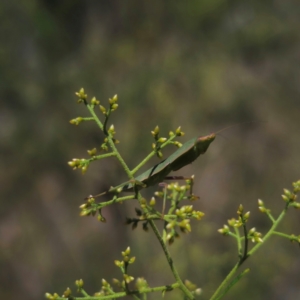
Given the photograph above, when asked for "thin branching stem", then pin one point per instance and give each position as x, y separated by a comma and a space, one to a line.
111, 143
150, 155
184, 289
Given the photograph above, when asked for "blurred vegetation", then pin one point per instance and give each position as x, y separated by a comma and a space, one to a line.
202, 65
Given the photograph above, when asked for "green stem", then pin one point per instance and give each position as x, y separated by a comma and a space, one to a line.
88, 119
150, 155
233, 282
225, 282
123, 294
184, 289
270, 216
111, 143
245, 255
282, 234
84, 293
255, 248
238, 239
117, 200
271, 231
97, 157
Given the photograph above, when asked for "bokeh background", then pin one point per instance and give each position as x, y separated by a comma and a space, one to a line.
200, 64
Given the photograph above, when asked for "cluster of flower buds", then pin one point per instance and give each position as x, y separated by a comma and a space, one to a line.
182, 221
192, 287
295, 238
178, 132
106, 289
88, 209
92, 152
262, 208
127, 260
77, 163
94, 101
290, 197
225, 230
112, 105
160, 140
141, 284
79, 283
82, 96
188, 212
76, 121
254, 236
51, 297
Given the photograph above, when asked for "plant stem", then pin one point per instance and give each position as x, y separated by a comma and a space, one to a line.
111, 143
272, 229
151, 154
225, 282
255, 248
184, 289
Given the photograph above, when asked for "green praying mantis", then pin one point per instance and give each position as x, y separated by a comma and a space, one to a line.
183, 156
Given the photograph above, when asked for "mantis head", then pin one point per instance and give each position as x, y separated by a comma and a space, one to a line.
202, 143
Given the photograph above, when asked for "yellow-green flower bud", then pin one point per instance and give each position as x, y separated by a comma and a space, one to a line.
116, 282
252, 230
152, 201
198, 291
171, 225
247, 215
155, 132
189, 208
81, 94
104, 282
159, 154
103, 109
85, 212
178, 131
67, 293
162, 140
296, 205
92, 152
260, 202
225, 230
84, 205
113, 100
231, 222
119, 264
79, 283
128, 278
198, 215
131, 260
262, 209
111, 130
94, 101
84, 169
240, 209
185, 224
126, 252
100, 218
177, 144
72, 163
114, 106
169, 236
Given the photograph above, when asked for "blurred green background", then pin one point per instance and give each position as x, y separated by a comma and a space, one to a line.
200, 64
